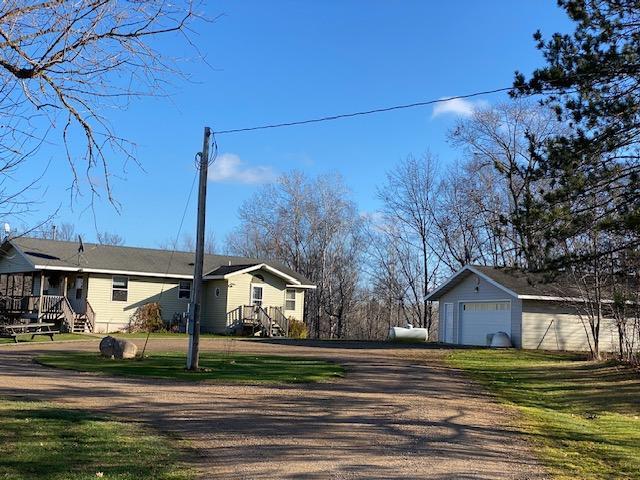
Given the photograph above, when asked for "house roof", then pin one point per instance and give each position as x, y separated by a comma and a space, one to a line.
55, 254
516, 282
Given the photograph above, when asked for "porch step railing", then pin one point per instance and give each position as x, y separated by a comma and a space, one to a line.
258, 319
281, 323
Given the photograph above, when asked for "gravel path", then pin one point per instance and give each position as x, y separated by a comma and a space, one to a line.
399, 413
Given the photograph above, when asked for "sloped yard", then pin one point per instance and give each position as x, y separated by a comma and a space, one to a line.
583, 417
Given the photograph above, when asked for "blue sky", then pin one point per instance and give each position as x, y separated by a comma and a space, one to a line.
287, 60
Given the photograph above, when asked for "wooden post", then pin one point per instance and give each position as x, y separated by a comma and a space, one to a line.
194, 320
40, 299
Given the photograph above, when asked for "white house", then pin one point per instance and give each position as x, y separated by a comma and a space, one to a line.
97, 288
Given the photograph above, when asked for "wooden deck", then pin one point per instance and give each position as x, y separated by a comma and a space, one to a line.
46, 308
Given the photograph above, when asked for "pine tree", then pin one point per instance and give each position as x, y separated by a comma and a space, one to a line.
592, 81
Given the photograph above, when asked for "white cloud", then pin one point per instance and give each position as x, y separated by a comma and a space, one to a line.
456, 106
229, 167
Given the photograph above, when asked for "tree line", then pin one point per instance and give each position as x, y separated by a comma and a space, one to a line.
548, 182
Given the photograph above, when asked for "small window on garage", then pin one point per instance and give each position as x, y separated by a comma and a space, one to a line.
217, 291
290, 299
184, 289
120, 289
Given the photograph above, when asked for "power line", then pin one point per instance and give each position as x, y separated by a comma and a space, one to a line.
173, 251
365, 112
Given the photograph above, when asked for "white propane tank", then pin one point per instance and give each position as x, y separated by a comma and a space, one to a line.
409, 333
500, 340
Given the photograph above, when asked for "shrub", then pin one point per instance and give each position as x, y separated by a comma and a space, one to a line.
147, 318
297, 329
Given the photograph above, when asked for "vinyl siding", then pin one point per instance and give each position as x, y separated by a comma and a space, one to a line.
465, 291
298, 312
553, 326
214, 314
13, 262
113, 315
273, 292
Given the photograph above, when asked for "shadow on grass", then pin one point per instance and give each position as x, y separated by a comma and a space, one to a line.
213, 366
41, 440
584, 415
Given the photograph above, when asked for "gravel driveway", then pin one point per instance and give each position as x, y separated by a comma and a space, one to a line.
399, 413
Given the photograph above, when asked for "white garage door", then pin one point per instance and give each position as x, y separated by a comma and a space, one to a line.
477, 319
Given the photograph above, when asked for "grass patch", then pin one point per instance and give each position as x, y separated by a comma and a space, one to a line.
26, 338
44, 441
584, 416
214, 366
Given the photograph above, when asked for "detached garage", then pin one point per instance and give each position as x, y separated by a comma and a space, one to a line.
479, 301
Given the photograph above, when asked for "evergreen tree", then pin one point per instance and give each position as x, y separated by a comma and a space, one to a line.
592, 81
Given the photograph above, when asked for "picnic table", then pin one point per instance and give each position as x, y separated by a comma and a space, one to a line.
35, 328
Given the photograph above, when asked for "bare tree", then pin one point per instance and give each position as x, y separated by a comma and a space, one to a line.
108, 238
500, 138
311, 226
67, 63
187, 243
409, 198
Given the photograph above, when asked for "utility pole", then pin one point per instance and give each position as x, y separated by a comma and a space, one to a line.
196, 298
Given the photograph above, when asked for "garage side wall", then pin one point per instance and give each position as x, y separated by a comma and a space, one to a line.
553, 326
466, 291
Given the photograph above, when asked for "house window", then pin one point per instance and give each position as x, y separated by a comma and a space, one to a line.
120, 289
184, 289
290, 300
256, 295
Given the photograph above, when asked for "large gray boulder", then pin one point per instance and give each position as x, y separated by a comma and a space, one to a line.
119, 348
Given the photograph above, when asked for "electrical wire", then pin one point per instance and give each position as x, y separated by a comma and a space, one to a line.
361, 113
173, 251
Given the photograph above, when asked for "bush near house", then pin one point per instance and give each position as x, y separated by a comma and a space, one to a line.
147, 318
297, 329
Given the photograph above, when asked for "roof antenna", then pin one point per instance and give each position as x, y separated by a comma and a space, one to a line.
53, 232
80, 248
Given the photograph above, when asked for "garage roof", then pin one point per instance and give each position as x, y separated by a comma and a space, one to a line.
516, 282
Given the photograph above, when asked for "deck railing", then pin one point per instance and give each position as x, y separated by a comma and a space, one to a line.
50, 308
19, 304
262, 318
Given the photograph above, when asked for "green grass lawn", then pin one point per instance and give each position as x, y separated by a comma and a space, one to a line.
42, 338
584, 417
214, 366
44, 441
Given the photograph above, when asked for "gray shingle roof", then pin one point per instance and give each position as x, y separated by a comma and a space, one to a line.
518, 281
55, 253
527, 283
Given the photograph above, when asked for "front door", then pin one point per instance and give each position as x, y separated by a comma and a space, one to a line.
77, 293
448, 322
256, 295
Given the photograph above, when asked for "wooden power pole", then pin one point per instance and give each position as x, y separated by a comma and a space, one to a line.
193, 354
